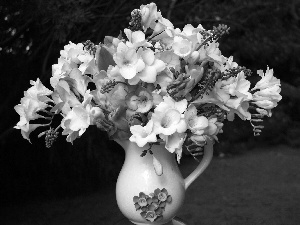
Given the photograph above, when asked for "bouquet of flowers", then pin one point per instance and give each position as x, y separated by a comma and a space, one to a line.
152, 84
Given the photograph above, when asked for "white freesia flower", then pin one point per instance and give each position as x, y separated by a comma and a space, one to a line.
229, 64
174, 143
168, 116
140, 100
152, 67
238, 86
72, 56
211, 53
76, 120
67, 96
161, 25
269, 88
128, 61
28, 111
136, 39
195, 123
268, 97
157, 97
217, 96
61, 70
191, 32
231, 95
265, 104
214, 127
270, 93
169, 58
164, 78
80, 81
88, 64
267, 80
35, 99
72, 51
211, 131
143, 135
185, 42
182, 46
60, 105
38, 91
80, 117
149, 15
238, 106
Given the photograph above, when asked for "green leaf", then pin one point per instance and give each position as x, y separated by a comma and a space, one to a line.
162, 205
57, 108
137, 206
159, 218
143, 214
169, 199
158, 211
156, 191
135, 199
164, 191
158, 168
144, 209
104, 58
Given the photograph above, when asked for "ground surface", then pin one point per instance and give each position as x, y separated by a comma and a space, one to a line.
259, 187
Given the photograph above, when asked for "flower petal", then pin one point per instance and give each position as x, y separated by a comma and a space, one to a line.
156, 191
140, 65
181, 126
148, 74
181, 105
148, 57
159, 65
138, 36
157, 166
128, 72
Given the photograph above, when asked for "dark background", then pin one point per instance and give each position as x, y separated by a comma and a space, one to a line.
32, 32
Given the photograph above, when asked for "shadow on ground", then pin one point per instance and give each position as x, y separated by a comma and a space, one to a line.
259, 187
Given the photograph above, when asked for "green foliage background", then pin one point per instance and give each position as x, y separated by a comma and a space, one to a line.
263, 32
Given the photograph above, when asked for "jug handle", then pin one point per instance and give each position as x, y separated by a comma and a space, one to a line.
208, 154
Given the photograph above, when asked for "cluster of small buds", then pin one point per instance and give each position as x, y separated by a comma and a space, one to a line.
105, 125
90, 47
208, 81
212, 110
178, 85
219, 31
136, 118
148, 150
205, 34
108, 86
233, 72
135, 23
194, 150
50, 136
257, 118
214, 34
